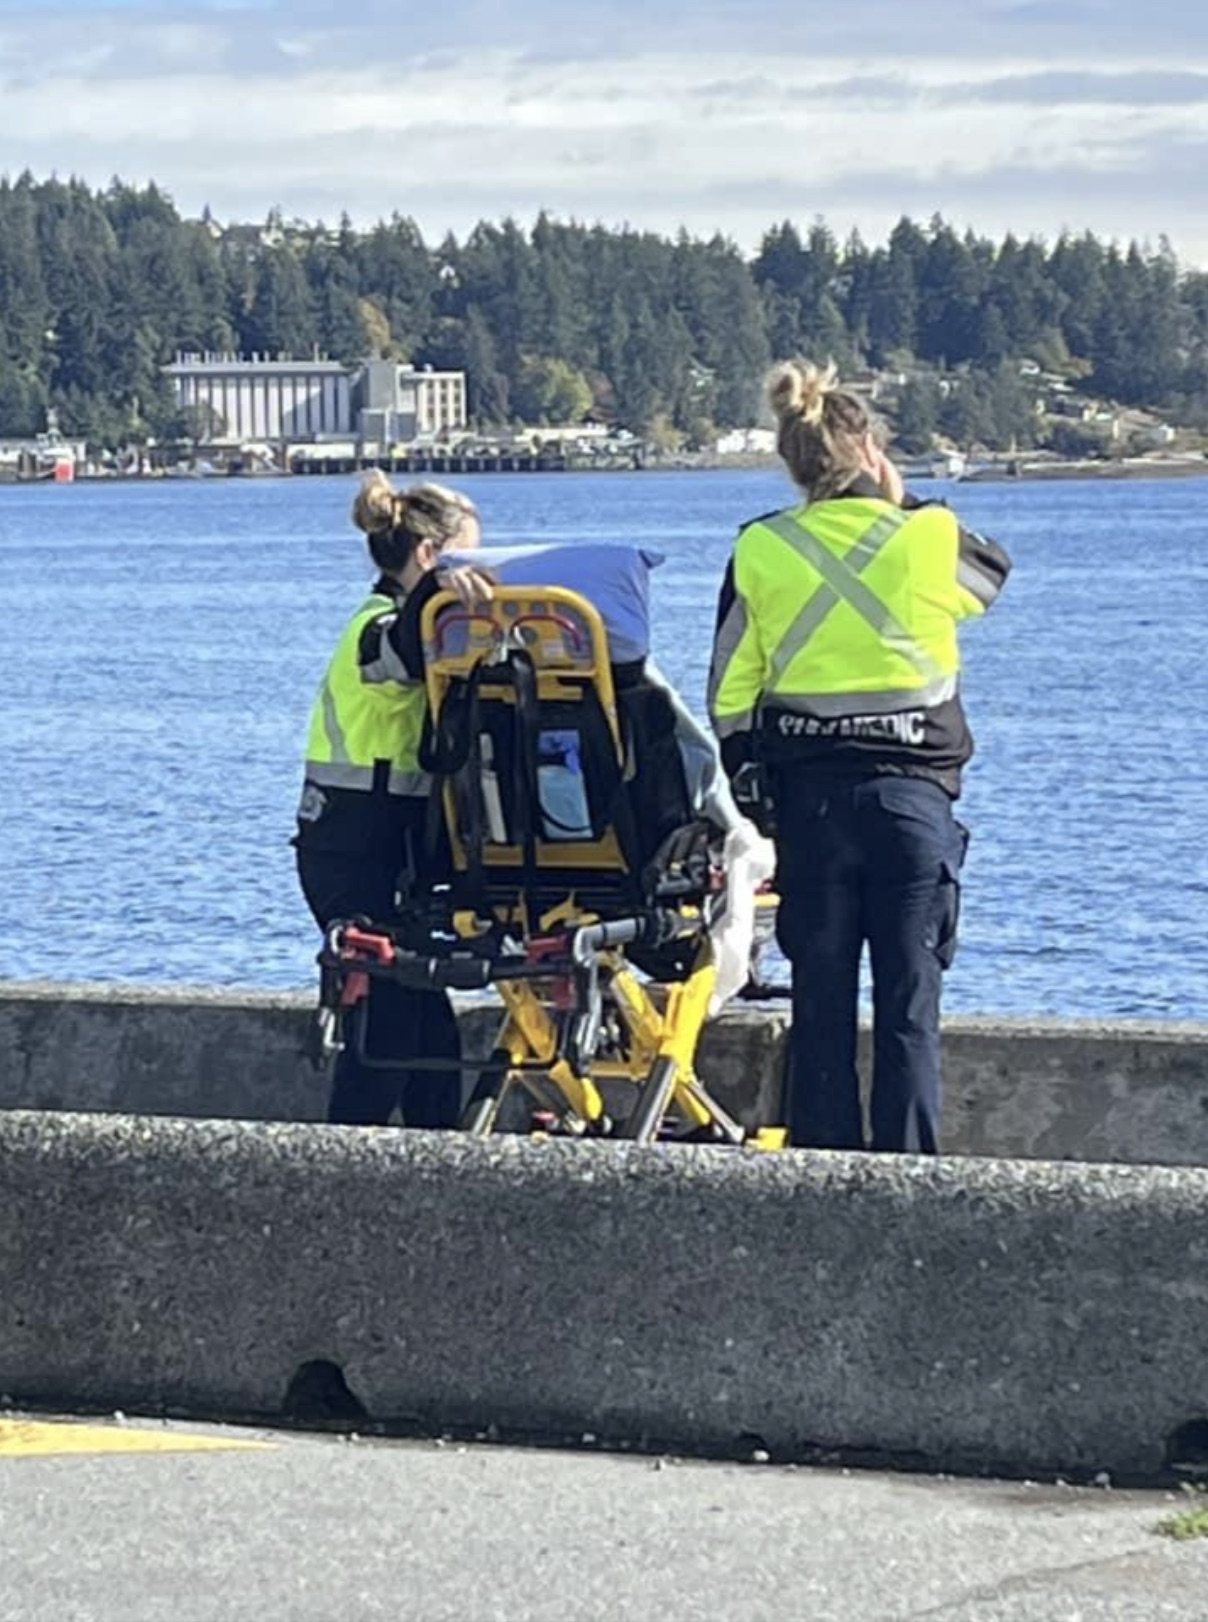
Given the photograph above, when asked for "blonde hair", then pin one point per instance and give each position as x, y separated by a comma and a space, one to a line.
442, 492
821, 428
396, 521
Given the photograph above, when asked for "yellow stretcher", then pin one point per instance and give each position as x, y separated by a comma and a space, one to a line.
580, 883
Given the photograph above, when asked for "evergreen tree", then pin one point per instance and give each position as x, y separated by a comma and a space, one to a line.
635, 377
404, 280
25, 308
488, 386
1076, 268
340, 319
22, 402
98, 289
950, 291
917, 418
280, 319
893, 294
855, 284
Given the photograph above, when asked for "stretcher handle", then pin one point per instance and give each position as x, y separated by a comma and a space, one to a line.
460, 973
598, 937
573, 631
654, 929
466, 617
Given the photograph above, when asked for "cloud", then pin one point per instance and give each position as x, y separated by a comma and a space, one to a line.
1155, 87
652, 122
877, 31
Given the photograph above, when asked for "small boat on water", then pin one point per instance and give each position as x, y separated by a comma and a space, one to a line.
48, 457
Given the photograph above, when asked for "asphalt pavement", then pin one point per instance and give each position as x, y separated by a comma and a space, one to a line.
138, 1521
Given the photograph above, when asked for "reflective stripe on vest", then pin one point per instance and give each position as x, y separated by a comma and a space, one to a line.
366, 714
842, 583
343, 775
835, 705
848, 607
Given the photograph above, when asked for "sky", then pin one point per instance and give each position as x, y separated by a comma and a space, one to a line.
1030, 116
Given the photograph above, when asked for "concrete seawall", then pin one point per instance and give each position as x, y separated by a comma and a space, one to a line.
1022, 1316
1049, 1090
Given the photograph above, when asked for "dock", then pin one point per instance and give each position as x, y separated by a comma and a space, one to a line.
429, 460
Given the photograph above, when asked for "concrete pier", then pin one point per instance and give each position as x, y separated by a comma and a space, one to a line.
178, 1236
965, 1315
1053, 1090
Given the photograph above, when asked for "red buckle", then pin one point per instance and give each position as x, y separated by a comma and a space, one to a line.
360, 943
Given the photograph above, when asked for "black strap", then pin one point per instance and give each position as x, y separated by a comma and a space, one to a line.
621, 802
473, 834
526, 800
451, 747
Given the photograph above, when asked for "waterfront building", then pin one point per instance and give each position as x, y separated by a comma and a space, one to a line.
385, 407
236, 398
399, 404
440, 400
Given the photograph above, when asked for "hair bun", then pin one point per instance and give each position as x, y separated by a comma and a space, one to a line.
798, 388
375, 509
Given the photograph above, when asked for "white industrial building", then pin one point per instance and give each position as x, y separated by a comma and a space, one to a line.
237, 399
440, 399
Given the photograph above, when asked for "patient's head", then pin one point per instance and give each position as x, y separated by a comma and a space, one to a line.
407, 530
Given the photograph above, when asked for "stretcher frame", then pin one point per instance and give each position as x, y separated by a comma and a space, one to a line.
592, 1047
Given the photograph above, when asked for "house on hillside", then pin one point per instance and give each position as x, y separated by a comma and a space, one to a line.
746, 442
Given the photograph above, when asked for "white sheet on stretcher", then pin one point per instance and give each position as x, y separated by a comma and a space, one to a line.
748, 859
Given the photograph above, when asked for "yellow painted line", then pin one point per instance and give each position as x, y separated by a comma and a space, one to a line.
29, 1438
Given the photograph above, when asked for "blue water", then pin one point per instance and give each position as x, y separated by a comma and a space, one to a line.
161, 644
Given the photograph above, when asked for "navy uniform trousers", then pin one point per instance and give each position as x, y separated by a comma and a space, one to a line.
405, 1027
873, 859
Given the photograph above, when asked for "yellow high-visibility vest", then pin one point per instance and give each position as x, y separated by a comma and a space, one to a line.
365, 713
846, 607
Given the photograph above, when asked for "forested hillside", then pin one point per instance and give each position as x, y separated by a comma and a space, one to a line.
99, 288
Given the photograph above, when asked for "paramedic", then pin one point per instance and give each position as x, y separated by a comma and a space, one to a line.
361, 815
834, 681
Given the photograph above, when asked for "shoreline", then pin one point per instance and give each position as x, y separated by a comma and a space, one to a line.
1130, 468
1004, 473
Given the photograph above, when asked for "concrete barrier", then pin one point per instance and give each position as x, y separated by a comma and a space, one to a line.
1053, 1090
1027, 1317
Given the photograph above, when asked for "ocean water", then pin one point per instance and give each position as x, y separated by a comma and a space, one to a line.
161, 644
